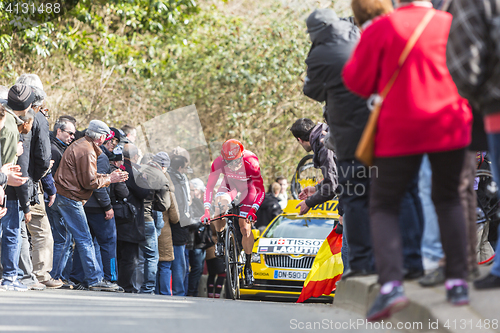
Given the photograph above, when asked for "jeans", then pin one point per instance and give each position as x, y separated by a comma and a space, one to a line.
159, 223
188, 265
494, 146
63, 241
11, 240
411, 222
179, 271
149, 249
431, 239
76, 222
76, 272
196, 258
353, 174
25, 272
164, 278
344, 251
104, 232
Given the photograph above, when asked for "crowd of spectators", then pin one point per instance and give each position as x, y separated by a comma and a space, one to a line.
84, 210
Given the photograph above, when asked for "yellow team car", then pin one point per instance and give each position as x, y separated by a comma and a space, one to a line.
283, 255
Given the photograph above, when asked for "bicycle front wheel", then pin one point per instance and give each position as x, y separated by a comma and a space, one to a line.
232, 274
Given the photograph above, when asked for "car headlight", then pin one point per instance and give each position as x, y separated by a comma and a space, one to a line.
256, 258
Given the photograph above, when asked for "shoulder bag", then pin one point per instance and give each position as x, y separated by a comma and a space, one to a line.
365, 149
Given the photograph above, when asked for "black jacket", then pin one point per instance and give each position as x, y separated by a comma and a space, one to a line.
57, 148
117, 191
99, 202
269, 209
346, 113
325, 160
196, 210
157, 183
180, 235
133, 232
22, 193
40, 148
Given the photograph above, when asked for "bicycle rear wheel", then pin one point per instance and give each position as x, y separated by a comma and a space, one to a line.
305, 175
232, 273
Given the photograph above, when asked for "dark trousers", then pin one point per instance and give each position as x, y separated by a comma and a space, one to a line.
387, 189
128, 258
104, 233
196, 259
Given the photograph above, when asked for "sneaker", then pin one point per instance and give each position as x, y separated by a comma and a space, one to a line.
488, 282
387, 304
434, 278
121, 290
80, 286
458, 295
53, 284
219, 249
104, 286
413, 274
68, 285
13, 285
36, 286
249, 279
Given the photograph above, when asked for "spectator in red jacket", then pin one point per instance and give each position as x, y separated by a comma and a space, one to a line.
422, 113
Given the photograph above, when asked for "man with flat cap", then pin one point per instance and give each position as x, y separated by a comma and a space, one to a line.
76, 179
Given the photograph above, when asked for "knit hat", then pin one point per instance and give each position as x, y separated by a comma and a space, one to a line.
20, 97
198, 184
99, 127
162, 159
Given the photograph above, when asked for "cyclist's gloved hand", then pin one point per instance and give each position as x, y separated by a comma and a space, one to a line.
205, 219
251, 215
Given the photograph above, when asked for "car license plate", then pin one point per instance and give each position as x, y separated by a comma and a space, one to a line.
290, 275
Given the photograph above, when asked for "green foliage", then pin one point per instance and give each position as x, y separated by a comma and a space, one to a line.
129, 61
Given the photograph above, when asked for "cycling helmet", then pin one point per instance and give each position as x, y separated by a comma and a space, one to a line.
231, 150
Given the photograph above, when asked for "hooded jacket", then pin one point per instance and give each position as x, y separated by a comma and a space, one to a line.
346, 113
325, 160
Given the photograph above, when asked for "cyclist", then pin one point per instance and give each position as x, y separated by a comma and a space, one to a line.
241, 172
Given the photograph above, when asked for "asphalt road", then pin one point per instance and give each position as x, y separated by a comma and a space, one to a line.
87, 311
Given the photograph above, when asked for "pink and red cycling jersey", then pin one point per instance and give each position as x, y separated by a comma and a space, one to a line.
247, 181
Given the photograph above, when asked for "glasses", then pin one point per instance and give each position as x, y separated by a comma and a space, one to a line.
45, 113
235, 164
69, 132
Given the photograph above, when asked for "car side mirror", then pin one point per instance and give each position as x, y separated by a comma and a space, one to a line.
256, 234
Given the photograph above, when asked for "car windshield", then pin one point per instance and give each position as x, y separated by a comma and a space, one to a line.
310, 228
